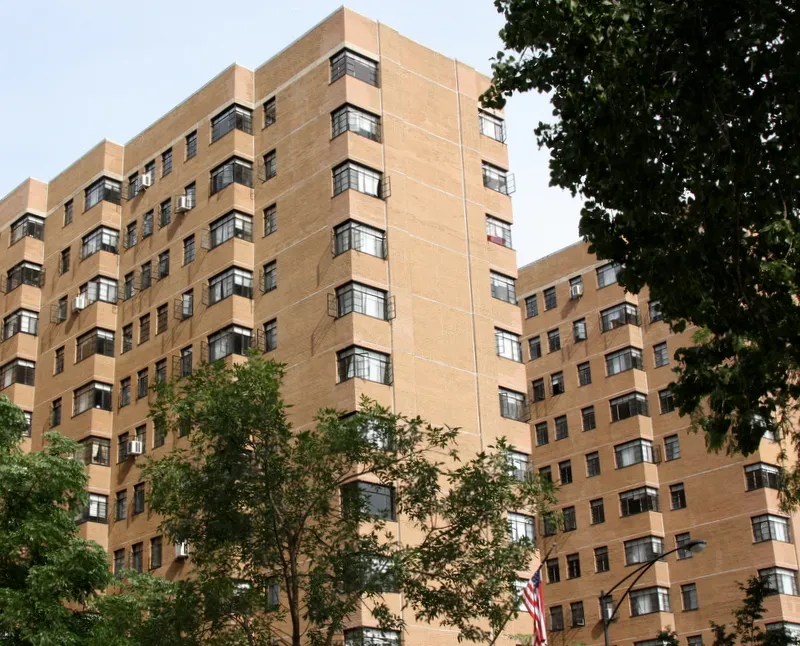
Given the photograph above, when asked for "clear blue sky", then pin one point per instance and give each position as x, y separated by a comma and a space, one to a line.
76, 72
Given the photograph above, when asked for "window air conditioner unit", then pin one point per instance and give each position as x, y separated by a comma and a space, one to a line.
575, 291
580, 622
145, 181
182, 550
135, 447
79, 303
182, 204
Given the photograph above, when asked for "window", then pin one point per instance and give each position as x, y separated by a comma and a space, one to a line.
186, 362
131, 235
103, 190
100, 289
124, 392
492, 126
101, 239
363, 179
162, 316
786, 627
681, 540
187, 305
359, 237
672, 448
270, 335
519, 463
535, 348
576, 610
96, 450
18, 371
270, 165
119, 562
557, 383
97, 509
133, 185
573, 566
159, 432
270, 112
68, 211
28, 226
689, 596
64, 261
607, 274
355, 120
269, 277
21, 321
556, 619
142, 383
769, 527
93, 395
579, 330
633, 452
512, 405
191, 195
231, 340
677, 496
233, 118
654, 312
565, 472
144, 328
598, 511
643, 550
147, 224
521, 527
352, 64
370, 637
121, 506
373, 500
553, 340
138, 498
24, 273
188, 249
503, 287
270, 219
570, 522
553, 571
165, 213
542, 436
780, 580
649, 600
697, 640
550, 300
365, 364
592, 464
637, 501
508, 345
661, 358
762, 476
166, 162
666, 401
55, 413
361, 299
619, 315
562, 427
61, 310
233, 171
623, 360
584, 374
549, 524
499, 232
575, 287
231, 282
531, 306
587, 418
163, 264
97, 341
538, 390
156, 550
191, 145
127, 338
59, 361
497, 179
628, 406
601, 563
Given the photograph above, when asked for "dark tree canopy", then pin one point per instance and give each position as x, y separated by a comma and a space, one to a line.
677, 122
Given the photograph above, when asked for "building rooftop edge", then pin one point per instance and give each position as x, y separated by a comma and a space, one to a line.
552, 253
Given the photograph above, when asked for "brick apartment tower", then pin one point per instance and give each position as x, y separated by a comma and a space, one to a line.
633, 480
344, 208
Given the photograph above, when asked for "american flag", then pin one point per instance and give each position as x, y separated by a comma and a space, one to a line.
534, 602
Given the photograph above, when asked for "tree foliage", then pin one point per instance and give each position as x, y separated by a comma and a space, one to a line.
48, 574
677, 123
265, 506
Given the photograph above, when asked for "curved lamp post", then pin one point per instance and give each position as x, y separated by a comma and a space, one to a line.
694, 546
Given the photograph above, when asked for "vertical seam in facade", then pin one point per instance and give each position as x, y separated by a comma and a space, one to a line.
469, 255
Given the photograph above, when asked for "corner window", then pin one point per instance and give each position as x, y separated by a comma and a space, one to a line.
28, 226
103, 190
233, 225
359, 237
363, 179
18, 371
97, 341
231, 340
100, 289
588, 419
666, 401
521, 527
361, 299
624, 360
373, 500
769, 527
24, 273
762, 476
101, 239
21, 321
366, 364
649, 600
93, 395
498, 179
637, 501
235, 117
349, 63
492, 126
512, 405
643, 550
508, 345
628, 406
619, 315
607, 274
780, 580
231, 282
96, 511
349, 118
233, 171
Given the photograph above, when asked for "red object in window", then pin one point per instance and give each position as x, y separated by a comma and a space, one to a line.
496, 240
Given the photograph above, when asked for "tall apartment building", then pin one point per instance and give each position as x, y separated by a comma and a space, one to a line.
344, 208
633, 480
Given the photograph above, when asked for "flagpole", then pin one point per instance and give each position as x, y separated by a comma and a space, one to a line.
514, 610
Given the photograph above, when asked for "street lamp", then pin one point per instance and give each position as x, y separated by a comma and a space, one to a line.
694, 546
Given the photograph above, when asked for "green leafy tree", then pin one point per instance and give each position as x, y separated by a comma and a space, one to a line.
48, 574
284, 545
677, 121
